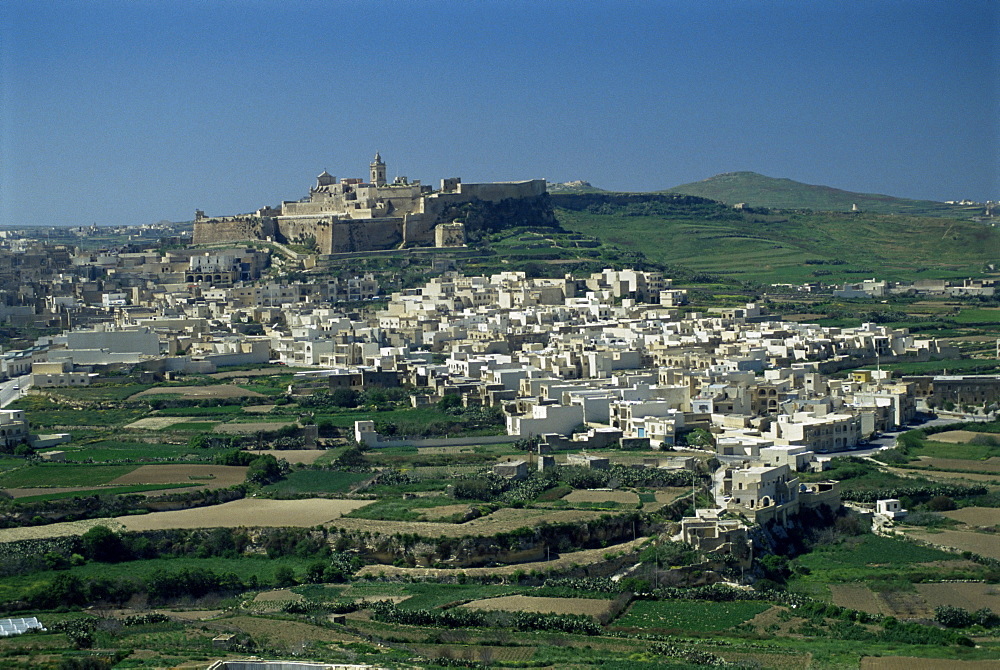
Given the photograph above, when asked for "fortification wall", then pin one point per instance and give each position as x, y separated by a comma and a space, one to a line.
233, 229
503, 190
364, 235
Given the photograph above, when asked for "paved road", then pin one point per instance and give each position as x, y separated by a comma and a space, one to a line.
9, 394
888, 440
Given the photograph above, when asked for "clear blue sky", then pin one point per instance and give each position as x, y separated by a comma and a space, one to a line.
120, 112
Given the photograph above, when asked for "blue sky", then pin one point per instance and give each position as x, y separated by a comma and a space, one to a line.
122, 112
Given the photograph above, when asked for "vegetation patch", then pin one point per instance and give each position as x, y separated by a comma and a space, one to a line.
695, 616
302, 482
55, 474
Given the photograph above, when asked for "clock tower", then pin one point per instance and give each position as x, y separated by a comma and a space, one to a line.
377, 170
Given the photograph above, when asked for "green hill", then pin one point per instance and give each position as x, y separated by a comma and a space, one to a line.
756, 190
781, 246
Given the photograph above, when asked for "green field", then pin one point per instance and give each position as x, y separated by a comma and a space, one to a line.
110, 490
689, 615
316, 481
401, 510
776, 247
113, 450
53, 474
261, 567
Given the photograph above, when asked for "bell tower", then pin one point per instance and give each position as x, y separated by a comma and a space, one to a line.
377, 170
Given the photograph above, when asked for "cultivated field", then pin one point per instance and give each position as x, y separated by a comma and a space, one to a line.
913, 663
502, 521
304, 456
157, 422
259, 427
588, 606
963, 540
968, 595
857, 597
689, 615
247, 512
563, 562
217, 391
991, 464
209, 476
976, 516
64, 529
958, 436
579, 496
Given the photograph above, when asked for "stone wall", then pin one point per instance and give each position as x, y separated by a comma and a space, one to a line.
233, 229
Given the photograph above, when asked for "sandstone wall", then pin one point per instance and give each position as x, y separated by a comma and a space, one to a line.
233, 229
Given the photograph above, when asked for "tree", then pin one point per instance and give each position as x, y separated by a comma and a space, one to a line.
284, 576
102, 544
264, 470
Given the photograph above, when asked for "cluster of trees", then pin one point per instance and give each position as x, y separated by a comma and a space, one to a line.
957, 617
388, 612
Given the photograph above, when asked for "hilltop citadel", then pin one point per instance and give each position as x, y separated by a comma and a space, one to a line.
351, 214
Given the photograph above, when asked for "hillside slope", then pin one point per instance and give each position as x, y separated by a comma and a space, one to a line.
782, 246
758, 190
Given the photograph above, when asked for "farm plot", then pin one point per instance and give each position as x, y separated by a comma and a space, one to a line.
317, 481
64, 529
959, 436
283, 632
591, 496
857, 597
248, 512
969, 595
156, 422
976, 516
501, 521
208, 476
258, 427
991, 464
914, 663
697, 616
586, 606
59, 475
962, 540
217, 391
478, 653
303, 456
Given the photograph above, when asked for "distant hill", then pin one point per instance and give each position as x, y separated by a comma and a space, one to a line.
757, 190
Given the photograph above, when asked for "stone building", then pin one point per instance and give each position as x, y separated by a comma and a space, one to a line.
351, 214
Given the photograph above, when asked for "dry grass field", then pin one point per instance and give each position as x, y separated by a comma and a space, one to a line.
991, 464
963, 540
248, 512
443, 512
579, 495
976, 516
64, 529
157, 422
957, 436
587, 606
857, 597
217, 391
212, 476
968, 595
